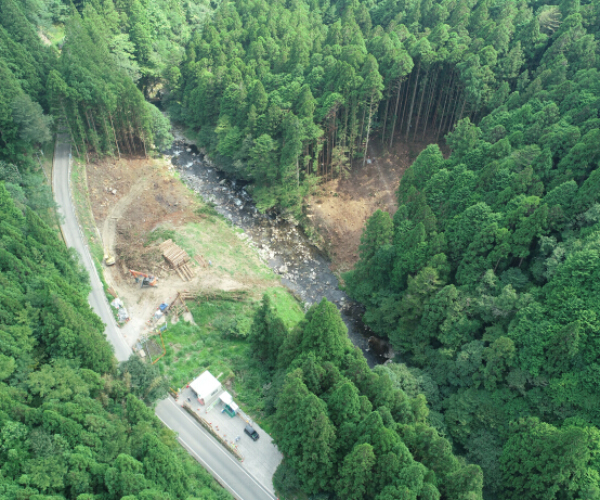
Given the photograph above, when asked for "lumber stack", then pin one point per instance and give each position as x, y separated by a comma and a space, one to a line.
184, 272
177, 258
173, 254
178, 306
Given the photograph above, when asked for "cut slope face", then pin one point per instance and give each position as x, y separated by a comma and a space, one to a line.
341, 207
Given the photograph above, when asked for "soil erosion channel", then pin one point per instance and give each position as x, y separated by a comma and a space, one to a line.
281, 244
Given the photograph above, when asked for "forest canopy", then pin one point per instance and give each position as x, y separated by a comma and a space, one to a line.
345, 430
485, 279
283, 92
87, 89
71, 426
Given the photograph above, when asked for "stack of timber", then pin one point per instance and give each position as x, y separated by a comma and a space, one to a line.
178, 306
177, 258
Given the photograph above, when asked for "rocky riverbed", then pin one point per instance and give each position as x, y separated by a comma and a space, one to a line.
281, 244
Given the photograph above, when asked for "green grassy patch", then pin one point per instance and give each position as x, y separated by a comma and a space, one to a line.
286, 306
218, 343
207, 209
159, 234
217, 242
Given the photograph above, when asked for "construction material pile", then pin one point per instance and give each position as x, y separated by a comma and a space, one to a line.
177, 258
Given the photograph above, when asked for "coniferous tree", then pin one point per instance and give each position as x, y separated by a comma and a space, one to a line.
267, 334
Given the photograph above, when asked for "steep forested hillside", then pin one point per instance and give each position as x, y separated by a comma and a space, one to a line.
87, 87
285, 91
70, 425
347, 431
485, 279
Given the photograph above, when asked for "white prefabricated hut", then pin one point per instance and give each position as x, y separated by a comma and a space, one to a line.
228, 404
206, 387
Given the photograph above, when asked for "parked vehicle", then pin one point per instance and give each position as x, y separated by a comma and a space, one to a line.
251, 432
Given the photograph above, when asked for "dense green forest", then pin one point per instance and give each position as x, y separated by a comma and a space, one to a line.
282, 92
485, 279
87, 87
345, 429
71, 423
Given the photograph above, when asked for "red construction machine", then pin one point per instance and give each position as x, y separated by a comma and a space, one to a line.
146, 279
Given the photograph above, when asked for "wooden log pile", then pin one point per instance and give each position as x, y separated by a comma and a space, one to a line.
184, 272
178, 305
177, 258
173, 254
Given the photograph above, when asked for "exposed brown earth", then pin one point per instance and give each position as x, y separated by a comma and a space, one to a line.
145, 196
148, 195
340, 208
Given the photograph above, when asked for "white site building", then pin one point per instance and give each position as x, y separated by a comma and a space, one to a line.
206, 387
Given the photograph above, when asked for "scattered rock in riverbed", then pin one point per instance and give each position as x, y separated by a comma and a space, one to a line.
278, 240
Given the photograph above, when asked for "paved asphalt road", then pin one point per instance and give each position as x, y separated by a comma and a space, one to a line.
194, 438
74, 238
203, 447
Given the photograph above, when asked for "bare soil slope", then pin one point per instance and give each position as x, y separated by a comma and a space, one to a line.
341, 207
140, 202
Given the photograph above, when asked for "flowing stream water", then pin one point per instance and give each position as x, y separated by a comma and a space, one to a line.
281, 244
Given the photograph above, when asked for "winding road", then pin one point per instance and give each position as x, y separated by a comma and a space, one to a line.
74, 239
194, 438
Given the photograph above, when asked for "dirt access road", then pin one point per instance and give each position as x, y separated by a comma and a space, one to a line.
142, 309
109, 228
138, 203
123, 195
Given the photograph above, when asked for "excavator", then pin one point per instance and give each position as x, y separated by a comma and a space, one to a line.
146, 279
109, 259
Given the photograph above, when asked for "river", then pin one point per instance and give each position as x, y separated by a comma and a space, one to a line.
281, 244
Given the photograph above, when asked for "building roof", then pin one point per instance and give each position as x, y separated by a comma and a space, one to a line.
228, 400
205, 385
